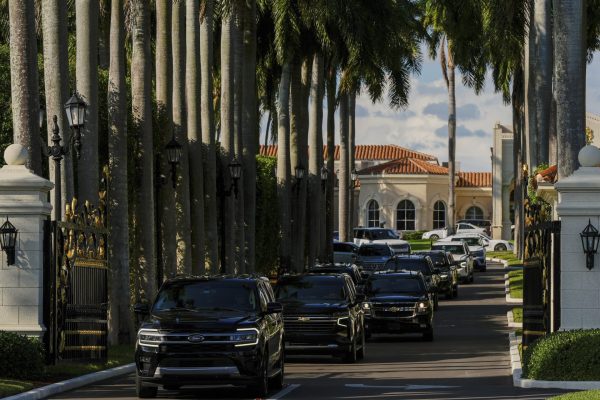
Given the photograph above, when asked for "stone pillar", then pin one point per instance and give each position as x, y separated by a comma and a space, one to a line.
578, 203
24, 200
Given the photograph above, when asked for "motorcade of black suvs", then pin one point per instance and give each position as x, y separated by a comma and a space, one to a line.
322, 314
344, 252
446, 268
340, 268
210, 330
424, 265
373, 256
398, 302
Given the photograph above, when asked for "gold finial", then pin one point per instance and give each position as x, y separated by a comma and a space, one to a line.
525, 169
589, 135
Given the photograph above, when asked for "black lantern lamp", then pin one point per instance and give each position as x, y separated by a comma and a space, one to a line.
8, 241
354, 177
174, 151
299, 172
235, 171
75, 108
589, 241
324, 176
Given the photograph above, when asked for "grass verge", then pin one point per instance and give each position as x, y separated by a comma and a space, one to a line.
505, 255
515, 284
586, 395
517, 314
9, 387
420, 244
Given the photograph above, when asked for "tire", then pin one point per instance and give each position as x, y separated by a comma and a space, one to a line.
500, 247
260, 387
455, 292
352, 354
144, 391
428, 334
450, 294
436, 303
362, 352
472, 278
434, 237
277, 381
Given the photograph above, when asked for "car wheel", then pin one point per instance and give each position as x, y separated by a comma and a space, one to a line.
351, 355
500, 247
363, 347
455, 292
428, 334
260, 387
450, 294
472, 278
277, 380
434, 237
436, 303
144, 391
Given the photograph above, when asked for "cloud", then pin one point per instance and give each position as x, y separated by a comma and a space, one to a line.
439, 110
361, 111
467, 112
398, 116
461, 132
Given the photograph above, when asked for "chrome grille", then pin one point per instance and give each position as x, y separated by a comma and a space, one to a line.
176, 362
372, 266
309, 324
393, 310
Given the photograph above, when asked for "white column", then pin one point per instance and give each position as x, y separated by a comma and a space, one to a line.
24, 200
578, 203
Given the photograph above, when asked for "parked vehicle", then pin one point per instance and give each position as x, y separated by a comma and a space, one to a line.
322, 314
476, 248
399, 302
382, 235
461, 256
373, 257
210, 330
344, 252
459, 228
448, 284
486, 224
489, 243
424, 265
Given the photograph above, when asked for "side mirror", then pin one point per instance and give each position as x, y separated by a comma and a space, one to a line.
274, 308
360, 297
141, 309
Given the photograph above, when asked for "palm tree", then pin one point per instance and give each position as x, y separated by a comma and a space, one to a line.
569, 87
86, 12
164, 103
120, 315
182, 194
141, 99
343, 173
24, 80
192, 64
331, 178
542, 75
208, 136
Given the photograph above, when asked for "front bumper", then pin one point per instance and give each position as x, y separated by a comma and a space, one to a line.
445, 286
480, 264
317, 343
416, 323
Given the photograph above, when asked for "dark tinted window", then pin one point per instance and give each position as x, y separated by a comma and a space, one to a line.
452, 248
311, 288
472, 241
438, 259
374, 251
208, 295
343, 247
420, 265
395, 284
378, 234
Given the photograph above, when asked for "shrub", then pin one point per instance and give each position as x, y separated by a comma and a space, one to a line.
568, 356
22, 357
414, 235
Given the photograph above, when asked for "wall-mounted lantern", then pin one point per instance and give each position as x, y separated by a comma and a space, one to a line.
589, 241
8, 241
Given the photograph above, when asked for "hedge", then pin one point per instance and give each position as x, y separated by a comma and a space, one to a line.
413, 235
564, 356
20, 356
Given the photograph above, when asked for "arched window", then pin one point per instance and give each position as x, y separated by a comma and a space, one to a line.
439, 215
474, 212
373, 214
405, 216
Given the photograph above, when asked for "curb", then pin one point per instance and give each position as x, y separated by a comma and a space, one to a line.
504, 263
517, 372
510, 300
70, 384
511, 321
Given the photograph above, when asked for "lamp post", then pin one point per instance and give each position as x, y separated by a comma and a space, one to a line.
8, 241
353, 185
324, 173
235, 172
174, 151
589, 242
299, 173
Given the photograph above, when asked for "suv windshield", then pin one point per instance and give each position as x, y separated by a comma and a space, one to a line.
452, 248
439, 260
211, 295
414, 265
395, 284
379, 234
311, 288
373, 251
472, 241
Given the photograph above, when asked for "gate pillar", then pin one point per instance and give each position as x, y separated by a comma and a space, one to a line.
578, 203
24, 200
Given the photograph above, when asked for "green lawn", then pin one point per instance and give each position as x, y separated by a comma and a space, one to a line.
420, 244
515, 284
518, 314
587, 395
505, 255
8, 387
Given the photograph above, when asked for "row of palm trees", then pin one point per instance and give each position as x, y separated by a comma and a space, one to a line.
203, 71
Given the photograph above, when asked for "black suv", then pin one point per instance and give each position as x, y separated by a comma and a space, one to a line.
340, 268
322, 313
445, 266
210, 330
398, 302
424, 265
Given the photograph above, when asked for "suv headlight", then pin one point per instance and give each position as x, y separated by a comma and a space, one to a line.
422, 306
149, 337
444, 276
245, 337
343, 319
366, 306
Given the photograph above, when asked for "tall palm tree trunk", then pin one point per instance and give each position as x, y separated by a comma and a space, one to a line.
164, 104
331, 175
451, 143
208, 137
250, 132
192, 64
56, 88
569, 64
141, 98
24, 80
182, 193
227, 138
86, 13
121, 330
543, 76
530, 68
351, 146
283, 168
315, 148
344, 170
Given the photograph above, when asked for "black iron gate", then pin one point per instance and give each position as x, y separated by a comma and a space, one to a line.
77, 284
541, 273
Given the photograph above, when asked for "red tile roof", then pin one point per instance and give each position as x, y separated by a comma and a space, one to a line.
474, 179
548, 175
365, 152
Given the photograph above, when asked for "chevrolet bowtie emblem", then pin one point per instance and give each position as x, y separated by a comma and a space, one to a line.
303, 319
393, 309
196, 338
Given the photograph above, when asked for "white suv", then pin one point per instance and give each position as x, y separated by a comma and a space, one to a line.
461, 255
381, 235
462, 227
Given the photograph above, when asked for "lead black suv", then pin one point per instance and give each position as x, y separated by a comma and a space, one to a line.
322, 313
399, 302
424, 265
210, 330
446, 268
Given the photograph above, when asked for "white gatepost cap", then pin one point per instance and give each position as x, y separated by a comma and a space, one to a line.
589, 156
16, 154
